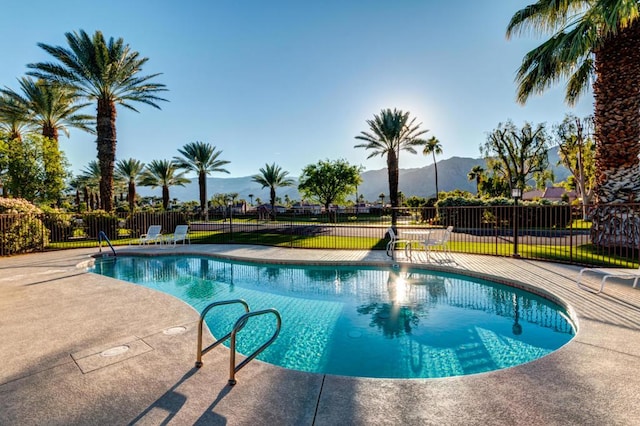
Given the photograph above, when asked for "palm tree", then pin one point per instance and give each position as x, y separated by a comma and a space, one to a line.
592, 39
130, 171
201, 158
14, 119
390, 133
272, 176
433, 147
251, 199
50, 107
75, 186
107, 73
89, 180
163, 173
476, 174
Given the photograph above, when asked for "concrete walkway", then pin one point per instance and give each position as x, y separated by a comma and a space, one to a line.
56, 320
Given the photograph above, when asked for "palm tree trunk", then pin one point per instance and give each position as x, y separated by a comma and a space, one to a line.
202, 185
617, 134
131, 195
435, 168
165, 197
50, 132
272, 194
106, 141
392, 168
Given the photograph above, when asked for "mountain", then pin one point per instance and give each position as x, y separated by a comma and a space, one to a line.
452, 174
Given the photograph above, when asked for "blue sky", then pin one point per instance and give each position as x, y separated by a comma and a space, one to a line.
293, 82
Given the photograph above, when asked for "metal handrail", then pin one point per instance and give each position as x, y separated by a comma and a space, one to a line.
103, 237
201, 325
241, 322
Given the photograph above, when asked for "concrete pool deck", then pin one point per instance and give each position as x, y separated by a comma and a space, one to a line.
56, 319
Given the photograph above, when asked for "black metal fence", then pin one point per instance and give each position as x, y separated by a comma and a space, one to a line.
555, 232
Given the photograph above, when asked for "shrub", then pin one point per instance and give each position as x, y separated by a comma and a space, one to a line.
22, 230
58, 222
100, 220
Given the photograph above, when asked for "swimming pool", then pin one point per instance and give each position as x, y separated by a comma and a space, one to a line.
362, 321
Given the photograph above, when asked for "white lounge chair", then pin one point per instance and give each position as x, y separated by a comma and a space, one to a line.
153, 235
394, 241
437, 238
609, 273
180, 234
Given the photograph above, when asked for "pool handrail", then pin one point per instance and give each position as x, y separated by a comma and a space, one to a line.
233, 369
103, 237
206, 310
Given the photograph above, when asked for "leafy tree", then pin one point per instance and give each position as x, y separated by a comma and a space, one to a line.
433, 147
34, 169
163, 173
272, 177
576, 149
107, 72
130, 171
494, 185
592, 42
517, 154
24, 167
202, 158
55, 171
329, 182
389, 133
476, 173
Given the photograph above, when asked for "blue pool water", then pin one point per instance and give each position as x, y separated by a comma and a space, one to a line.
361, 321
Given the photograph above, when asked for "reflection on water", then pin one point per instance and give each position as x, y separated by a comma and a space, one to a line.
376, 322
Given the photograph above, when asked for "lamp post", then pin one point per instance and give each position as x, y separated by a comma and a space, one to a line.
515, 193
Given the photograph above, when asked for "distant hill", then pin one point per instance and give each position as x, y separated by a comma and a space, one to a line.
452, 174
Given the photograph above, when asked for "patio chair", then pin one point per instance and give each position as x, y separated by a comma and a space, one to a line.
437, 238
609, 273
180, 234
394, 241
153, 235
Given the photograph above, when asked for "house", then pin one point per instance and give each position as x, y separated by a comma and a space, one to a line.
556, 193
306, 208
267, 208
551, 193
536, 194
363, 208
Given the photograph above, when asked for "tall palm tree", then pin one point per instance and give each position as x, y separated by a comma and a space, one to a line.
592, 38
51, 107
390, 133
433, 147
106, 72
476, 174
202, 158
272, 176
129, 171
163, 173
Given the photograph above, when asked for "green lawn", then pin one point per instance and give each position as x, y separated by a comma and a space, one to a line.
585, 254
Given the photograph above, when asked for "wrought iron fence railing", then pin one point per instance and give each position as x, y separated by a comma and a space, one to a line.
555, 232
